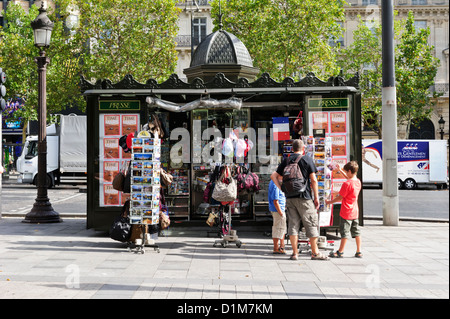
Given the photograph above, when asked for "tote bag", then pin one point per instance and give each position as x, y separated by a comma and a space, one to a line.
225, 189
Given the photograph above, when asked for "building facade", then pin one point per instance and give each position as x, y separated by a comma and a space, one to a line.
196, 23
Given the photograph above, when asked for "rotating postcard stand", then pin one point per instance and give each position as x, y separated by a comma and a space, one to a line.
145, 188
320, 150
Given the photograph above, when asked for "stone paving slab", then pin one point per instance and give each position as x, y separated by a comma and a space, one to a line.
68, 261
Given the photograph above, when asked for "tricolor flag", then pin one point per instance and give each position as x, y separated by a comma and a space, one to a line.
281, 128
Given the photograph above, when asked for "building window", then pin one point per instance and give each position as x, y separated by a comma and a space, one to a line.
423, 130
420, 24
334, 42
199, 30
369, 2
419, 2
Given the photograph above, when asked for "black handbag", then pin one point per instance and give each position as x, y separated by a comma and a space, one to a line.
121, 228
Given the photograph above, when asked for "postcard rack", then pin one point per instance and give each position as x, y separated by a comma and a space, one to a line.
145, 187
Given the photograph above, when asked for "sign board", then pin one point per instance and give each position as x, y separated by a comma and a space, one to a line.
122, 105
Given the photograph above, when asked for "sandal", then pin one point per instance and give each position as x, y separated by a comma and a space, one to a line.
293, 257
336, 254
319, 256
358, 254
280, 251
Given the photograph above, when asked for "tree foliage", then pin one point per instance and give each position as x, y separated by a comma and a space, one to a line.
112, 38
129, 37
415, 70
286, 37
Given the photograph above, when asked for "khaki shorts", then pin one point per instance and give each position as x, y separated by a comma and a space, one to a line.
279, 225
302, 210
349, 227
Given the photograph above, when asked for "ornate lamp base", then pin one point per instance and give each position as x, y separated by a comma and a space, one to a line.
42, 212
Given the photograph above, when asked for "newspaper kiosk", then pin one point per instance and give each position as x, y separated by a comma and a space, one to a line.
330, 113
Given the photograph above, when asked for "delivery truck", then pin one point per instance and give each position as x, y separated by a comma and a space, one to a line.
66, 153
419, 162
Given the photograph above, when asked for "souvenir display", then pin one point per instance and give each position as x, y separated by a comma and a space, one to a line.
145, 180
320, 149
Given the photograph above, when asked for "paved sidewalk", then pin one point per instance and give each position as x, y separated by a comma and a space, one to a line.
67, 261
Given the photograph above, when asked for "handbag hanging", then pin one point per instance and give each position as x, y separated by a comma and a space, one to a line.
119, 179
225, 189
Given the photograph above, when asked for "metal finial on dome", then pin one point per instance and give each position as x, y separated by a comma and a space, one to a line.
220, 16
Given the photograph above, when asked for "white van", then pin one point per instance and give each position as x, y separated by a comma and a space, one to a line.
419, 162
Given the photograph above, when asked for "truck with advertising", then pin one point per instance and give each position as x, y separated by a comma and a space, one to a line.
419, 162
66, 153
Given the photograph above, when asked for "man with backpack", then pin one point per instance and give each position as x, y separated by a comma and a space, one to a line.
302, 197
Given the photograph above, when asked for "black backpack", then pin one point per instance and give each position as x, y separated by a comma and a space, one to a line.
294, 183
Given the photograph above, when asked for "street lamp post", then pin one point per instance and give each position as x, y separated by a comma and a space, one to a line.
42, 211
441, 126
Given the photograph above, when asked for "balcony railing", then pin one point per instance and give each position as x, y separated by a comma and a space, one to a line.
362, 3
440, 88
183, 41
192, 3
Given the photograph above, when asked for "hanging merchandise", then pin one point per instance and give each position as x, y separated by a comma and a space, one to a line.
298, 124
228, 147
247, 182
241, 148
225, 189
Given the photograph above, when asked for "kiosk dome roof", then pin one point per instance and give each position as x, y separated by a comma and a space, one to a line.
221, 47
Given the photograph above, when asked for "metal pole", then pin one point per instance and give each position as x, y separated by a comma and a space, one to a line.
389, 120
42, 211
1, 163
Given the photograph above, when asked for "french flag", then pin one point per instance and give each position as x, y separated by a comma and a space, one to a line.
281, 128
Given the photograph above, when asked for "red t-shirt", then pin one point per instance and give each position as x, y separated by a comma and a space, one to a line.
349, 192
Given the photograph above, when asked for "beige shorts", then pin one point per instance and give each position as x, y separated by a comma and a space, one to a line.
302, 210
279, 225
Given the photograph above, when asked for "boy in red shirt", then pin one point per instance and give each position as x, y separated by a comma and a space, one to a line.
348, 196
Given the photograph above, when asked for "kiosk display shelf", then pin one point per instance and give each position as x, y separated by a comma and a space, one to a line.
145, 187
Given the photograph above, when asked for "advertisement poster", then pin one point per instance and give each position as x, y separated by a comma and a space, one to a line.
339, 145
112, 157
110, 169
338, 122
110, 195
112, 125
111, 148
320, 121
336, 188
129, 124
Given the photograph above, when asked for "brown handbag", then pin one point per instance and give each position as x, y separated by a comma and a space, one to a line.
119, 180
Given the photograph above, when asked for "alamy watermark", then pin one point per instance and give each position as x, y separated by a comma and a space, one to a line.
210, 146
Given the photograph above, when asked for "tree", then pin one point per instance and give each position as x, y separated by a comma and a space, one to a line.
286, 37
415, 69
128, 37
112, 38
